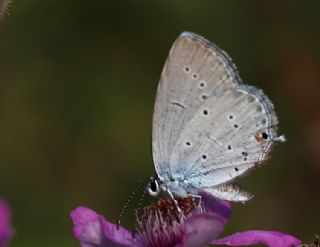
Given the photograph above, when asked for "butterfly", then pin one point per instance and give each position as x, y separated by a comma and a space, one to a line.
208, 127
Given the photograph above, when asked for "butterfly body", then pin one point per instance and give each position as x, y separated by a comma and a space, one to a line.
208, 127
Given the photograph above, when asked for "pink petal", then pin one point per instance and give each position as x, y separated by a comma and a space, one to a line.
220, 207
6, 231
269, 238
94, 231
200, 229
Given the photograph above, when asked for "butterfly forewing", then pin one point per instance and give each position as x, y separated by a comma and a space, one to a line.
195, 70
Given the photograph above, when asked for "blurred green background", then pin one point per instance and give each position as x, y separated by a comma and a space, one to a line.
77, 87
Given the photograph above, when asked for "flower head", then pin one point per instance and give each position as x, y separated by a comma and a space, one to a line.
196, 223
167, 224
5, 227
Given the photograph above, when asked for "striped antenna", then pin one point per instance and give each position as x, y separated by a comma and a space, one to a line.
124, 207
137, 213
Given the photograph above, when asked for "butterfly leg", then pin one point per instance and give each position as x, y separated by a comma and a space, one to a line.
174, 200
196, 197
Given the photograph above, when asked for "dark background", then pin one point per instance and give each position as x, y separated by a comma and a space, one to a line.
77, 87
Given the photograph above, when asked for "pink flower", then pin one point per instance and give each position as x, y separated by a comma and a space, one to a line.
6, 231
162, 225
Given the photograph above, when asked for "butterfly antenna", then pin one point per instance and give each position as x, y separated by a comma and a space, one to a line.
141, 200
125, 206
137, 212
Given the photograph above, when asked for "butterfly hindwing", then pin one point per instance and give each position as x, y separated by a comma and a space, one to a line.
229, 134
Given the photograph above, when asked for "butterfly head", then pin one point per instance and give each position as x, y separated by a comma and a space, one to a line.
153, 186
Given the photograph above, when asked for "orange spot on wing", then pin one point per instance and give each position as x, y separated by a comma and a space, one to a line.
258, 138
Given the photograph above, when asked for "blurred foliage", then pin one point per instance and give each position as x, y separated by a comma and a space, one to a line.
77, 86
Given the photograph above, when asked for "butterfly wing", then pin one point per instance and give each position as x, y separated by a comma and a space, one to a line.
229, 134
208, 127
195, 70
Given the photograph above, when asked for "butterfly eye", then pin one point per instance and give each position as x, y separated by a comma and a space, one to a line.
153, 187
